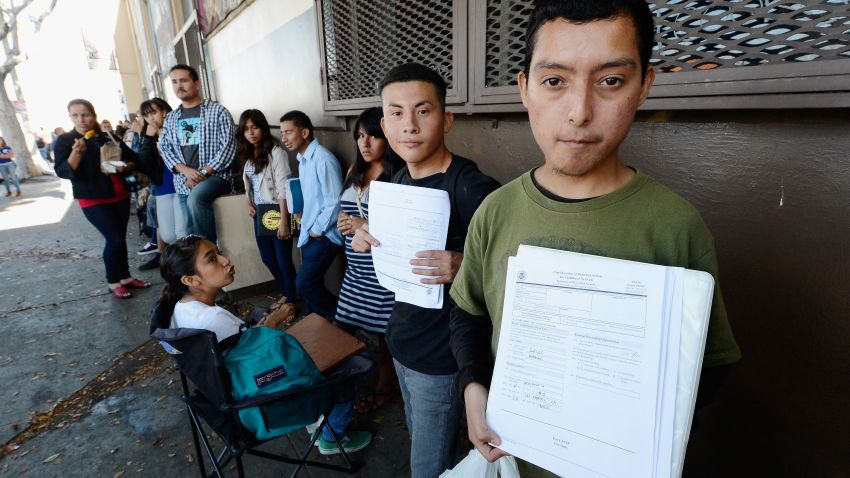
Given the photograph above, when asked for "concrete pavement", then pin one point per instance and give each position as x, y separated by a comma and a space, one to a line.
84, 391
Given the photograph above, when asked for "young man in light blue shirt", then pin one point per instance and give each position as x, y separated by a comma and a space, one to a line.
321, 186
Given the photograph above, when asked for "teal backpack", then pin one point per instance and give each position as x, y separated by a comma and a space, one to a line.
266, 361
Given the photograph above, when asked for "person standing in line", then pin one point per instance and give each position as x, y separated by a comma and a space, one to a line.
321, 184
197, 143
415, 123
586, 72
265, 170
363, 303
7, 168
55, 134
104, 198
171, 219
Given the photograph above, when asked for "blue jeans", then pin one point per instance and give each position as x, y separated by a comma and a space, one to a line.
277, 256
111, 221
341, 416
199, 204
432, 409
317, 255
9, 176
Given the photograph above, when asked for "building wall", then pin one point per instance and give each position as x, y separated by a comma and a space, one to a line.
772, 186
132, 81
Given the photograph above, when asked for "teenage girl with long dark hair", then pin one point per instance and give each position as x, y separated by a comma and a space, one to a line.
265, 170
195, 271
363, 303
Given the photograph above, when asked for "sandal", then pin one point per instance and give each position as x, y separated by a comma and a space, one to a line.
372, 402
136, 284
120, 292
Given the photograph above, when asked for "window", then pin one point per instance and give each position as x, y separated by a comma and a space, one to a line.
189, 50
709, 54
362, 39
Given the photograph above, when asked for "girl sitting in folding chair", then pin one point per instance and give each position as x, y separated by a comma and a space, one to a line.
195, 271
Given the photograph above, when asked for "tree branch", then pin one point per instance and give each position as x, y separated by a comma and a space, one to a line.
7, 67
37, 21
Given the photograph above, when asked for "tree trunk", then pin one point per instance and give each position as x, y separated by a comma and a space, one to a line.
10, 130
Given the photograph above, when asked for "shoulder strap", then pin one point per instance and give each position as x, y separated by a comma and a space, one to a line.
452, 180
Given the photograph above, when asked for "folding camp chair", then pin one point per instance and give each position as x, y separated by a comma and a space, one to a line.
199, 360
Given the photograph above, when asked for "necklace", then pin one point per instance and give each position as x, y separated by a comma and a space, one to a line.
361, 193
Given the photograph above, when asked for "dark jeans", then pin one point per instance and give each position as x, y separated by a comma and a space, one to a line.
111, 221
317, 255
277, 256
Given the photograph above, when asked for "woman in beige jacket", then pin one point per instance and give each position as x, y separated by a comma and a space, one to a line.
265, 170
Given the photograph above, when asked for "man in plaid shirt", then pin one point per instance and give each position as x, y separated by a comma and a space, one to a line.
197, 143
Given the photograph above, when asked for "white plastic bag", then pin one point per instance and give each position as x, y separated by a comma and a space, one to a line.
475, 466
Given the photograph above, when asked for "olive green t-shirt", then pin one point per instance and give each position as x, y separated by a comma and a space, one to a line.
642, 221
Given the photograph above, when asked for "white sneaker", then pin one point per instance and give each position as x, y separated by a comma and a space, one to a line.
148, 249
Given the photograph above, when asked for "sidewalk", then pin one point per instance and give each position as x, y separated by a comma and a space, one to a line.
85, 392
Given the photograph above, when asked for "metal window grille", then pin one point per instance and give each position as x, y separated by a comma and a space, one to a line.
363, 39
698, 35
703, 48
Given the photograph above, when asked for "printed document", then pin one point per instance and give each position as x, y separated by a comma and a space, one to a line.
586, 370
406, 220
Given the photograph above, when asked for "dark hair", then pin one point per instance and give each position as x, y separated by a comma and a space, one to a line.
193, 73
178, 260
3, 140
245, 150
370, 121
299, 119
416, 72
121, 131
584, 11
150, 106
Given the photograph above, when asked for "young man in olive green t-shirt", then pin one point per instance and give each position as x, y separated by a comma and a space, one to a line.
586, 72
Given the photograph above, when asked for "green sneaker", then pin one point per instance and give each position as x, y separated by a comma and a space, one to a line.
351, 442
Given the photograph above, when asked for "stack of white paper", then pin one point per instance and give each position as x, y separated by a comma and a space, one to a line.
598, 363
407, 220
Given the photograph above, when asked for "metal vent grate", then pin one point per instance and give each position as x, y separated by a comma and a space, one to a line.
363, 39
698, 34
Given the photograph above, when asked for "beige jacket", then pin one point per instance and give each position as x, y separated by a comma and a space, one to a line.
272, 178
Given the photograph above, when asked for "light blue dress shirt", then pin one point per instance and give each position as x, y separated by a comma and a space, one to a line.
321, 186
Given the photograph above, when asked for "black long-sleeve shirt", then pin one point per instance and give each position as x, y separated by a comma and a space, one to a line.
470, 343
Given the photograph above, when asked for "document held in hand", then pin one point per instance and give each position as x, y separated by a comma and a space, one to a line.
598, 363
406, 220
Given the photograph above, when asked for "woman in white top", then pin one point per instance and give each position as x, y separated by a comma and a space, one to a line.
195, 271
265, 172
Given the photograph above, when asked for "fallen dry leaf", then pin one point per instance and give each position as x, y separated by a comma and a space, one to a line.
51, 458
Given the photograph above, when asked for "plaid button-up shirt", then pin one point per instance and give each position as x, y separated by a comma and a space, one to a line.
217, 147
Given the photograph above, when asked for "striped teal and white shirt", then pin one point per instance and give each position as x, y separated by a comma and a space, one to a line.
363, 303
